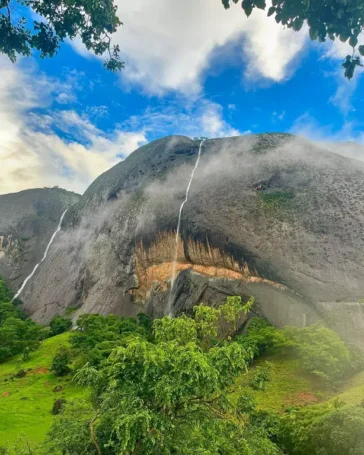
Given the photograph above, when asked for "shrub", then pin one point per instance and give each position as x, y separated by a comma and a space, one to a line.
263, 337
321, 351
58, 405
61, 361
323, 430
60, 324
262, 375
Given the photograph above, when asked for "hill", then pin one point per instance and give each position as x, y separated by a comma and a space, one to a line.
26, 402
27, 222
271, 215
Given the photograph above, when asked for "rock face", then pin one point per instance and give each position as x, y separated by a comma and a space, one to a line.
271, 215
27, 222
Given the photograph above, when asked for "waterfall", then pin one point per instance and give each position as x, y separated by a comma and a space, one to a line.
44, 256
179, 226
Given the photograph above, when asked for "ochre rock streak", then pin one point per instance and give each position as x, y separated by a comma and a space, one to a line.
154, 265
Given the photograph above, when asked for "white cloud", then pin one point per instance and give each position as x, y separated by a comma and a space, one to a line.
167, 45
278, 116
33, 155
202, 118
66, 98
345, 141
342, 98
44, 146
339, 50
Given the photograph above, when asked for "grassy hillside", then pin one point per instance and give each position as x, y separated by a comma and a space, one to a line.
289, 386
26, 403
353, 391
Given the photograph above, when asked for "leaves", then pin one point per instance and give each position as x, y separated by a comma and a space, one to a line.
350, 65
341, 19
247, 6
165, 392
353, 41
93, 22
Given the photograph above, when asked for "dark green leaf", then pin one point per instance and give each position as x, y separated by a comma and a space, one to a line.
313, 33
353, 41
260, 4
247, 7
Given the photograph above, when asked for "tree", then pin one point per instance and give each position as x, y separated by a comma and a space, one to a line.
340, 432
59, 325
61, 361
321, 351
326, 19
18, 333
70, 433
327, 429
98, 335
170, 394
56, 20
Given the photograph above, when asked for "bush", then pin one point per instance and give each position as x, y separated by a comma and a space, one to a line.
321, 351
18, 333
323, 430
263, 337
262, 375
59, 325
61, 361
58, 405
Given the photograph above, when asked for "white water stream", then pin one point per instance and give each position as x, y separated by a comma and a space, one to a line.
179, 226
44, 256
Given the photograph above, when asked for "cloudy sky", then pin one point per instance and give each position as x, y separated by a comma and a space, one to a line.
192, 68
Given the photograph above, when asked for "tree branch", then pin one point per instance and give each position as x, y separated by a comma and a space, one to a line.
93, 437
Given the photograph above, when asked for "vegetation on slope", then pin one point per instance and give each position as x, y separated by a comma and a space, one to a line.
18, 333
184, 386
26, 402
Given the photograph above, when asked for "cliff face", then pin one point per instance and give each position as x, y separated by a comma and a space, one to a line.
270, 215
27, 222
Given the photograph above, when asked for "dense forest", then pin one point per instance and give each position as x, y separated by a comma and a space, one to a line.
172, 385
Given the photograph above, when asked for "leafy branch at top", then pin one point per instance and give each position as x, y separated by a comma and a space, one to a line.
326, 19
93, 21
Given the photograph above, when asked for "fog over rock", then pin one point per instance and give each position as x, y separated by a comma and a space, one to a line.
269, 215
27, 221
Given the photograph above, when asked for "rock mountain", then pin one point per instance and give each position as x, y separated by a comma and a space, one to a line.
272, 215
27, 222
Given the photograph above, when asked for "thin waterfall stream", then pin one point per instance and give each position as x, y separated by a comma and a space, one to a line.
44, 256
179, 226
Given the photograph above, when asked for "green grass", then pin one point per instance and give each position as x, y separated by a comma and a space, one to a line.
272, 203
289, 386
353, 391
26, 403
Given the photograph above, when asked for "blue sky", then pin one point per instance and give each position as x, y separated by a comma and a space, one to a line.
191, 69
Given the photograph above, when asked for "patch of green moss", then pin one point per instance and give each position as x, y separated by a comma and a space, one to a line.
273, 203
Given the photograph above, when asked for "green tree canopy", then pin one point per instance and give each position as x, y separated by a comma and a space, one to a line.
326, 19
166, 394
18, 333
56, 20
328, 429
